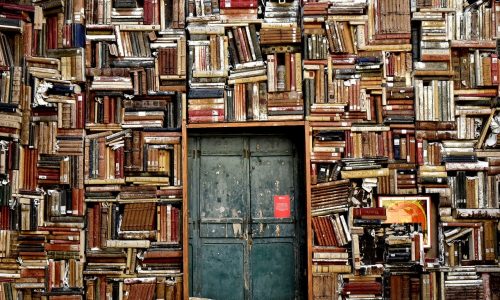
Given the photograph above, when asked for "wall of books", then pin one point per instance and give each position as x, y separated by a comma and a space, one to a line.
401, 99
398, 99
91, 149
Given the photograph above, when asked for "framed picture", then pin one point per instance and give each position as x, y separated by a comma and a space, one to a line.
409, 210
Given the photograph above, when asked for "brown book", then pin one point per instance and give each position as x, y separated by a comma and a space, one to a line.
486, 70
324, 285
97, 225
245, 47
162, 254
370, 213
139, 216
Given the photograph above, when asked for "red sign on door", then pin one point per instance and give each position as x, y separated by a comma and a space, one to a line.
282, 206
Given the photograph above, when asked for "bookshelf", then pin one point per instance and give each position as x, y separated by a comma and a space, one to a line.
245, 64
398, 102
136, 90
390, 110
92, 149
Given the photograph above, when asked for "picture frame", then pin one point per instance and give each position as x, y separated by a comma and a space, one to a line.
409, 210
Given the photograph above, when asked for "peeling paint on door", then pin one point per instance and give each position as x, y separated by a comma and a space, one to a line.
257, 260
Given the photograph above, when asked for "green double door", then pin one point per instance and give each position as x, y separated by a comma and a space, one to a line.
245, 237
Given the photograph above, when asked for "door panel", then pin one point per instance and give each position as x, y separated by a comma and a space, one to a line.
272, 255
222, 145
239, 249
222, 271
264, 145
222, 196
273, 270
271, 176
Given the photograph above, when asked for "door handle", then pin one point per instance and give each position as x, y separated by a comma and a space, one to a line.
249, 242
246, 153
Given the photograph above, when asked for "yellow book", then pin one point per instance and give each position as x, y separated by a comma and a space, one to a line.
346, 174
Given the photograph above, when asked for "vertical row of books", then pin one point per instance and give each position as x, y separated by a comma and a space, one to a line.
457, 148
42, 150
136, 83
359, 101
244, 61
401, 99
11, 23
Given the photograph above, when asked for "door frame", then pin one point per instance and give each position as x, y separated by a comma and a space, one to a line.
296, 135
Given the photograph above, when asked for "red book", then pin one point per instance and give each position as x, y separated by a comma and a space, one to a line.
59, 230
17, 7
97, 225
101, 152
171, 193
51, 270
80, 110
244, 44
102, 288
122, 162
107, 110
40, 273
62, 247
205, 119
494, 68
163, 225
118, 162
377, 213
63, 242
292, 72
476, 253
75, 195
57, 272
207, 112
81, 199
148, 12
238, 3
162, 254
4, 217
175, 224
420, 152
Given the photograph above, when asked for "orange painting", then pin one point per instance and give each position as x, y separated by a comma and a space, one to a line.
408, 210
